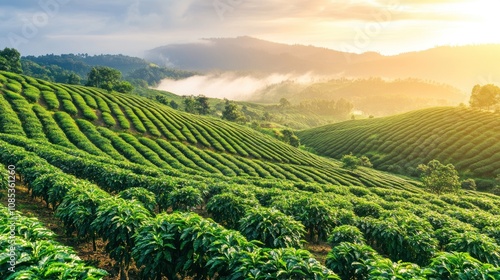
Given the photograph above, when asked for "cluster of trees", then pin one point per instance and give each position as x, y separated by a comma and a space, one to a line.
351, 161
108, 78
196, 104
153, 74
287, 136
10, 60
51, 73
341, 109
485, 97
232, 112
164, 100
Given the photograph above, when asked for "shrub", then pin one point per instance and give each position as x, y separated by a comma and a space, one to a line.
185, 198
145, 197
365, 208
459, 265
69, 107
469, 184
350, 261
229, 209
273, 228
32, 94
346, 233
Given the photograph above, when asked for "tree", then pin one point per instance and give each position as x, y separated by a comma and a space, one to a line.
201, 104
10, 60
284, 103
162, 99
290, 138
365, 161
73, 79
123, 86
103, 77
174, 104
267, 117
231, 112
349, 161
484, 96
189, 104
469, 184
439, 178
108, 78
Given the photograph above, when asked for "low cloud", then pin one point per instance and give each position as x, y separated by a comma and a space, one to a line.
231, 85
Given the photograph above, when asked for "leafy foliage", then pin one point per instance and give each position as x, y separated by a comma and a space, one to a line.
271, 227
117, 220
185, 198
439, 178
350, 260
145, 197
346, 233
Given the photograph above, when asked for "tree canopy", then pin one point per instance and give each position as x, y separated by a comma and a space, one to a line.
10, 60
439, 178
107, 78
484, 97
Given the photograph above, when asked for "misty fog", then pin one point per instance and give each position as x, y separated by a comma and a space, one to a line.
231, 85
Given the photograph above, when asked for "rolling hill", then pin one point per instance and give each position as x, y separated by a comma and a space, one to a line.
469, 139
166, 191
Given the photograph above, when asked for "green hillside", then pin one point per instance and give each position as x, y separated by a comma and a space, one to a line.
469, 139
132, 129
190, 197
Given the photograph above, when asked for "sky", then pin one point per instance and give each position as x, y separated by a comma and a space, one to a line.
36, 27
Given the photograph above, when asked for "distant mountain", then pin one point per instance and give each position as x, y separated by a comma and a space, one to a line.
461, 66
250, 54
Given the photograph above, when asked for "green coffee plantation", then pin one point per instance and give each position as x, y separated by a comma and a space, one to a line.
469, 139
178, 196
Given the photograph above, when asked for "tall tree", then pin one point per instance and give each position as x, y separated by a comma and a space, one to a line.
10, 60
189, 104
284, 103
73, 79
232, 113
484, 96
201, 104
103, 77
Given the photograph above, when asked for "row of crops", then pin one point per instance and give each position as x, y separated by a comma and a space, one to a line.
152, 119
467, 138
431, 235
192, 145
180, 244
29, 251
107, 183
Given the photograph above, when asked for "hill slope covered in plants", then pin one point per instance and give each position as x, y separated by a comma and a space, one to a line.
114, 167
469, 139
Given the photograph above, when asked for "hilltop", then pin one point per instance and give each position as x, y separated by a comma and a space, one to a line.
469, 139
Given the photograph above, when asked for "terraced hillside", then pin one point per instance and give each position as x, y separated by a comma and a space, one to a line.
469, 139
113, 167
131, 129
